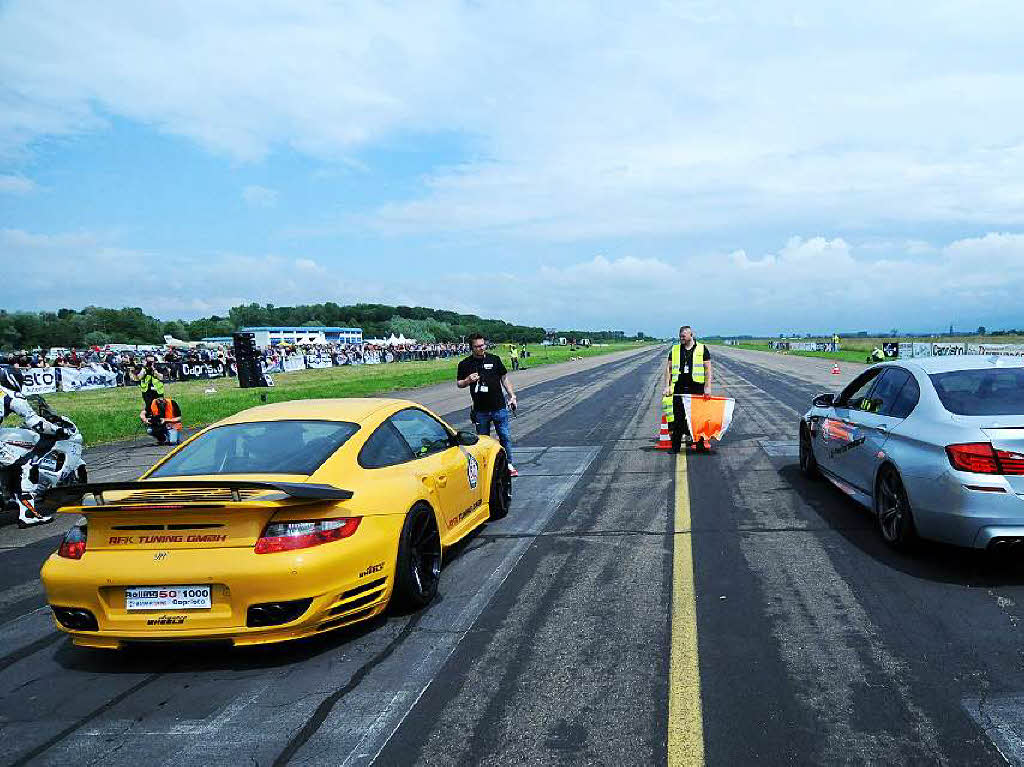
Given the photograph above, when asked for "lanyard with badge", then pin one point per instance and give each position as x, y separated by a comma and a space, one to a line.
482, 387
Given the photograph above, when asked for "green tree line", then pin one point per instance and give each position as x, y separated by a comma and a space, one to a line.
97, 326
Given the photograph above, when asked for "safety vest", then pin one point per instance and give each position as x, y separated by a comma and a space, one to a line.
698, 363
148, 382
168, 410
698, 373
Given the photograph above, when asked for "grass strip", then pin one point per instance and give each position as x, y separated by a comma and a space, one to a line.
844, 355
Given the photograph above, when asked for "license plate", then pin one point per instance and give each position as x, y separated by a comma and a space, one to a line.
168, 598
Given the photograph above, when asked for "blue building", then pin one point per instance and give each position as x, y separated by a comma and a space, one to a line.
267, 336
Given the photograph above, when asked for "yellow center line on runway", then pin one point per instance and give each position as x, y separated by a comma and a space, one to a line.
685, 718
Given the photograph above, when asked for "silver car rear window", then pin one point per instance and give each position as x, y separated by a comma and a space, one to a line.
981, 392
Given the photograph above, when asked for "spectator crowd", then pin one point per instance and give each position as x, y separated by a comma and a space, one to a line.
176, 363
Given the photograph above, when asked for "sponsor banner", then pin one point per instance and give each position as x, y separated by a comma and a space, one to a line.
891, 349
372, 358
905, 350
91, 377
292, 364
199, 370
318, 361
39, 381
922, 349
1001, 350
804, 346
948, 349
272, 367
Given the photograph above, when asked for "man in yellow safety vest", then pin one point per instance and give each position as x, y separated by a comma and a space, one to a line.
688, 371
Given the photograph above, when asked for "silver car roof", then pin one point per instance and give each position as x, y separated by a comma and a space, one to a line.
950, 363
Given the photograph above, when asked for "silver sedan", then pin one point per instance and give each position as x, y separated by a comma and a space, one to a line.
934, 447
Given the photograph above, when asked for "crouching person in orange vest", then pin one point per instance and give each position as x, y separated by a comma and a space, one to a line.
163, 420
688, 371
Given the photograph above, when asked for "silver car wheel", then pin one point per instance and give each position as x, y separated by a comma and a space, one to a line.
893, 509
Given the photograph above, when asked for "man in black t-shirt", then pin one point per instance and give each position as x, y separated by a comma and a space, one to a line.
486, 375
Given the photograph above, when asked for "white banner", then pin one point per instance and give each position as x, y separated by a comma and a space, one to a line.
906, 350
293, 363
91, 377
39, 381
1000, 350
948, 349
371, 358
318, 361
197, 370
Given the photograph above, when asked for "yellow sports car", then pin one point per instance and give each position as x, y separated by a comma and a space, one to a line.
283, 521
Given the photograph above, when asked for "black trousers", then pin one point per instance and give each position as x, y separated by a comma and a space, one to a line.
680, 430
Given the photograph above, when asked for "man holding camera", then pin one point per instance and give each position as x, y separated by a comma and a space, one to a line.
162, 418
486, 375
150, 380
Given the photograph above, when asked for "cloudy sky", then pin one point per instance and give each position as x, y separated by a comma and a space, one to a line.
750, 166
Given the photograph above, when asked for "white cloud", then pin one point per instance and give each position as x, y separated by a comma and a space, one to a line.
259, 196
16, 184
586, 121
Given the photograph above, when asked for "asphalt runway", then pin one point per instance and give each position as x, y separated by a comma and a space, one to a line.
633, 608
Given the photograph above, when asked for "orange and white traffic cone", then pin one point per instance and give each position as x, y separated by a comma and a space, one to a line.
835, 368
664, 438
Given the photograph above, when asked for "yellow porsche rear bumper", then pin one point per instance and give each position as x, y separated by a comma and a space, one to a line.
347, 581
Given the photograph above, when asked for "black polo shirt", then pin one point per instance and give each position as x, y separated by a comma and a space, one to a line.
487, 393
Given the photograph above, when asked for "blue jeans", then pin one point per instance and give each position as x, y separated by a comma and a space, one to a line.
501, 426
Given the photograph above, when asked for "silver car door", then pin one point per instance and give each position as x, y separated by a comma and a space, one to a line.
875, 421
841, 429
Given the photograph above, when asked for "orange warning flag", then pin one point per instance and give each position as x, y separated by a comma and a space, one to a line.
707, 416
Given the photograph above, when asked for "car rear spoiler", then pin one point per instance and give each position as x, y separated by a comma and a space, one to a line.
73, 494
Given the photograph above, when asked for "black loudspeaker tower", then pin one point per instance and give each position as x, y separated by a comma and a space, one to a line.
248, 359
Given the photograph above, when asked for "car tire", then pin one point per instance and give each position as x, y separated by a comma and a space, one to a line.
418, 569
501, 488
808, 463
892, 509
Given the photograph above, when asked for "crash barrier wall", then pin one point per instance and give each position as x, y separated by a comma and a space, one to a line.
908, 350
94, 376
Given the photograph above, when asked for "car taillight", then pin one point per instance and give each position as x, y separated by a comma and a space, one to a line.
73, 545
983, 458
286, 536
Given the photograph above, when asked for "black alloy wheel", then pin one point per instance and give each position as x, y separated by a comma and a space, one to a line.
808, 463
501, 488
895, 520
418, 570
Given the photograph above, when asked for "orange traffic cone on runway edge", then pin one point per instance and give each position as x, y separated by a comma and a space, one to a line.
835, 368
664, 438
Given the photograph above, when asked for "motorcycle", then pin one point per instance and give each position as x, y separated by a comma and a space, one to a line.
54, 462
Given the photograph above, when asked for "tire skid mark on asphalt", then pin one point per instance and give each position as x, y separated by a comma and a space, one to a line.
322, 711
492, 689
394, 713
806, 597
52, 741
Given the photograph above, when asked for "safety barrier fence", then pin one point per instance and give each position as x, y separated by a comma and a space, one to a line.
96, 376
